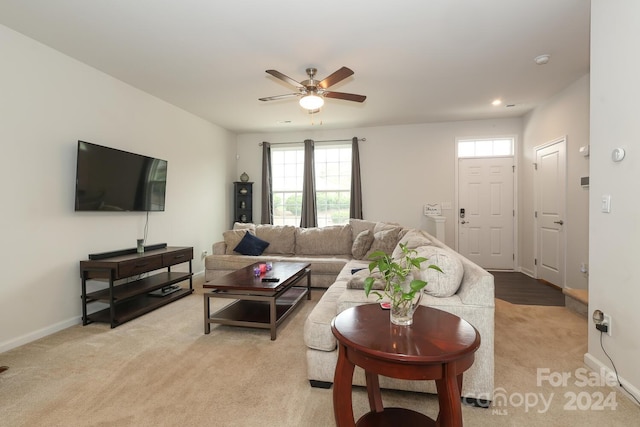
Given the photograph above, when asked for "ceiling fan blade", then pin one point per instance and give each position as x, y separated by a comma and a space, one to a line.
334, 78
279, 75
345, 96
273, 98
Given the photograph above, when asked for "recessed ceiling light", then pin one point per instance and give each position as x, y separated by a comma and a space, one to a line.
284, 122
542, 59
496, 102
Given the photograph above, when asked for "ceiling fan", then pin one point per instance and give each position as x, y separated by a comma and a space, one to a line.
312, 92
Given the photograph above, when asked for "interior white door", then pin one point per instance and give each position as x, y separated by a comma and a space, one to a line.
550, 185
486, 211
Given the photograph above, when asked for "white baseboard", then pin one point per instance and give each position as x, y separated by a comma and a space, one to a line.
597, 366
527, 272
40, 333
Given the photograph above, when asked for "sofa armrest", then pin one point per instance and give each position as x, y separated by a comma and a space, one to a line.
219, 248
477, 287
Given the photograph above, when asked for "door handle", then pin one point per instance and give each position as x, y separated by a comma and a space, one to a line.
559, 222
464, 222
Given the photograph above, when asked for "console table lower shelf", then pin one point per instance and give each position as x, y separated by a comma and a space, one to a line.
135, 299
129, 300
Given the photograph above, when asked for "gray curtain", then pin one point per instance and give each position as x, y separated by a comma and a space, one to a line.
308, 216
267, 193
355, 204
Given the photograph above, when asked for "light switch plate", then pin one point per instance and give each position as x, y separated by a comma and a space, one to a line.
606, 203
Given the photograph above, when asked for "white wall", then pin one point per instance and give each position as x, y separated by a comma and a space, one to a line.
48, 101
402, 167
614, 282
566, 114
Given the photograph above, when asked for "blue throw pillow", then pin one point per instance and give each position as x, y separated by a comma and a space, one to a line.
251, 245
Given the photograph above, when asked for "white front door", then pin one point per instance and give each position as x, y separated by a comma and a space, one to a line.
550, 187
486, 211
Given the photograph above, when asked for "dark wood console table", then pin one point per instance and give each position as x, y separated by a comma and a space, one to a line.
129, 294
437, 346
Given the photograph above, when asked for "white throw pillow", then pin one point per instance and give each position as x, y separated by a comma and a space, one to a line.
443, 284
412, 239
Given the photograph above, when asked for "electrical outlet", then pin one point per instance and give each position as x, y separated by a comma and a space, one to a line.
607, 321
204, 254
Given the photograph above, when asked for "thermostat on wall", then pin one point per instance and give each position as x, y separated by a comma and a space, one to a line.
617, 154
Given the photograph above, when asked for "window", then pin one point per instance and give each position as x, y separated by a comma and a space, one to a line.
502, 147
333, 183
287, 165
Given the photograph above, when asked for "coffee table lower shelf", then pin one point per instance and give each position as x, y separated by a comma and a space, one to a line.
254, 311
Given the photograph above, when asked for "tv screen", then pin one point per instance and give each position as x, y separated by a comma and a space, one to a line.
108, 179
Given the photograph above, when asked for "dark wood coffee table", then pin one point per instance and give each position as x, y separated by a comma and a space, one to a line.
437, 346
259, 304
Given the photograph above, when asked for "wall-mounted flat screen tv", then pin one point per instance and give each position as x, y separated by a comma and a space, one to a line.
108, 179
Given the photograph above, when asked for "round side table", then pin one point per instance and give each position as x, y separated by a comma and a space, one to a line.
437, 346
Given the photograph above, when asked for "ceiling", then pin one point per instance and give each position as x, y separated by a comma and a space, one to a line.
416, 61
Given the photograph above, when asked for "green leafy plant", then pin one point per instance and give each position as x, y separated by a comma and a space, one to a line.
395, 274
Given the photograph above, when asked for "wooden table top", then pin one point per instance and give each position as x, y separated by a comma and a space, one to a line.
244, 280
434, 337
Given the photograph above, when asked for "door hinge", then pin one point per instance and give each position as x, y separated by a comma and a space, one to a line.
535, 214
535, 261
513, 256
535, 166
514, 212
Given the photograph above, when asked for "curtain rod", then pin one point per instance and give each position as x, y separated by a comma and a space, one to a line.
326, 140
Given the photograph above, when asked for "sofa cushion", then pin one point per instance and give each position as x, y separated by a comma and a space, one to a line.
232, 238
281, 238
356, 281
332, 240
360, 225
412, 239
317, 326
361, 244
443, 284
244, 226
322, 264
384, 240
251, 245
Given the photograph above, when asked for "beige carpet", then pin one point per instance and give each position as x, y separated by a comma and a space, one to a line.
161, 370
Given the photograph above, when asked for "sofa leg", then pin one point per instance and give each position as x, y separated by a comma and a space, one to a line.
478, 403
320, 384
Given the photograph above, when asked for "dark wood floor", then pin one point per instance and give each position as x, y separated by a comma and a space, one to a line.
518, 288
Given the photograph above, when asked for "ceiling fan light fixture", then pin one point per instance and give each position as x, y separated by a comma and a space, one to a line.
311, 102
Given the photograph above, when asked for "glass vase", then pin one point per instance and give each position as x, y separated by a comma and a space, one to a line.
401, 312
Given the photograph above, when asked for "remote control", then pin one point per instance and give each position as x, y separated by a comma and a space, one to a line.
270, 279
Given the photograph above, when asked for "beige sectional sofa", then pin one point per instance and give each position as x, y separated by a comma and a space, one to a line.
338, 257
328, 249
